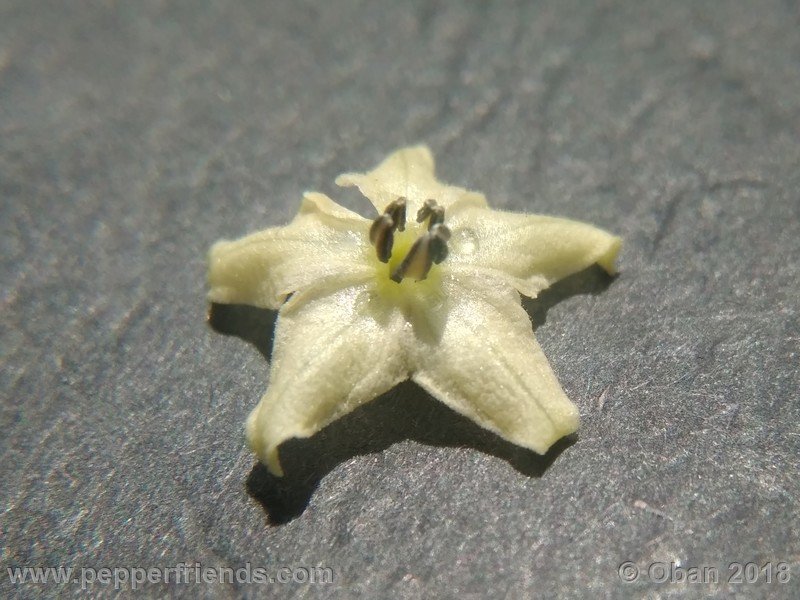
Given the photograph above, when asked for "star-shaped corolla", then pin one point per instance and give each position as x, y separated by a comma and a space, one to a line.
433, 298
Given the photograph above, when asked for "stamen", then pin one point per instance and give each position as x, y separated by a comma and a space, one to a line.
428, 249
438, 247
381, 235
431, 209
397, 210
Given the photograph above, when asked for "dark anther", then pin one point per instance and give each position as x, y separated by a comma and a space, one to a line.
431, 209
397, 210
440, 234
426, 209
428, 249
417, 262
381, 235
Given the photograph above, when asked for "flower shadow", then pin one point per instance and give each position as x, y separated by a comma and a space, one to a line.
592, 280
251, 324
404, 413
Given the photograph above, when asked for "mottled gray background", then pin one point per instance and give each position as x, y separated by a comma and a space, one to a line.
134, 134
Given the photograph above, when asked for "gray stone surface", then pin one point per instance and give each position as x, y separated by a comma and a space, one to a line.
134, 134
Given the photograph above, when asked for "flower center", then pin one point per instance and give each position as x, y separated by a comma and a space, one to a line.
430, 248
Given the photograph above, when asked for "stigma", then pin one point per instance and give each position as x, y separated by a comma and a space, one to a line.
428, 249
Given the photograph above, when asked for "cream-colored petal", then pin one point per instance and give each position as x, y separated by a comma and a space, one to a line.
533, 251
409, 172
324, 242
333, 352
487, 365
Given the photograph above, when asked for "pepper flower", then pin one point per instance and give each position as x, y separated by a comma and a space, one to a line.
428, 290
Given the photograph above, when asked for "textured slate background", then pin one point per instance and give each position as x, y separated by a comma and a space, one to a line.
134, 134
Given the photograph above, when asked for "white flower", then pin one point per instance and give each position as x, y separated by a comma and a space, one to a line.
443, 309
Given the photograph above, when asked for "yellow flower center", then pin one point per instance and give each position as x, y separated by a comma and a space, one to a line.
406, 258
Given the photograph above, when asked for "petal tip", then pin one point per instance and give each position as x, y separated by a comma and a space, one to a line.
564, 424
420, 152
346, 179
267, 453
272, 461
609, 258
